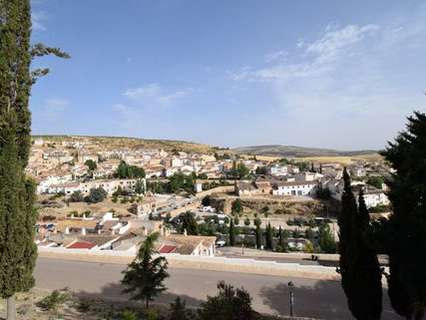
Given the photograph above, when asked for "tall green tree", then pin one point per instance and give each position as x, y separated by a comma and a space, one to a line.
188, 223
18, 251
237, 206
125, 171
144, 277
359, 268
92, 165
269, 237
231, 233
326, 239
258, 235
370, 278
406, 241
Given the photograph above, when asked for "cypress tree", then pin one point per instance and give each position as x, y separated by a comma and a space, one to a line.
17, 215
347, 245
406, 241
269, 244
258, 237
369, 271
231, 233
359, 267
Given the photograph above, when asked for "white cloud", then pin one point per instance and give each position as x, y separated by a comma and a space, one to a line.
274, 56
155, 94
37, 19
320, 55
336, 42
349, 82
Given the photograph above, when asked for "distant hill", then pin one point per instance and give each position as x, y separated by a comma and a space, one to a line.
293, 151
129, 142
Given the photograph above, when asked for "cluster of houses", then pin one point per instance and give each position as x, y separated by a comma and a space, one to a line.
286, 182
112, 234
63, 163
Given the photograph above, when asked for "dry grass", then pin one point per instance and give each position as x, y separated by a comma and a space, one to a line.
344, 160
128, 142
80, 207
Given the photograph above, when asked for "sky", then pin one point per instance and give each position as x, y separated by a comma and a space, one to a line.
333, 74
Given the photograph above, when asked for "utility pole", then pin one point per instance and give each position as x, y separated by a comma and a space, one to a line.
291, 297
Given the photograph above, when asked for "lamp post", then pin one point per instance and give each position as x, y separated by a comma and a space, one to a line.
242, 244
291, 297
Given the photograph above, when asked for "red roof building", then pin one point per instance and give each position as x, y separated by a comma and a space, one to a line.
167, 249
81, 245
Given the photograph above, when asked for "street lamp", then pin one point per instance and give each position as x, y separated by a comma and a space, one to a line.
291, 296
242, 244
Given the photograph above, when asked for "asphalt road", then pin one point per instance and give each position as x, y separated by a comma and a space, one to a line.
320, 299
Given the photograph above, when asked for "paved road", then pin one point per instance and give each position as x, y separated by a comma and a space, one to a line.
322, 299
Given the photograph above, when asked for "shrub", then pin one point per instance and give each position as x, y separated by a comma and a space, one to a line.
151, 314
96, 195
52, 301
128, 315
76, 196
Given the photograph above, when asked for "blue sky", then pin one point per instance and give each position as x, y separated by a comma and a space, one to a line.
334, 74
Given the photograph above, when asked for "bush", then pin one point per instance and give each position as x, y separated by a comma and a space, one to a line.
247, 221
309, 248
96, 195
229, 304
84, 305
76, 196
178, 311
52, 301
379, 209
151, 314
128, 315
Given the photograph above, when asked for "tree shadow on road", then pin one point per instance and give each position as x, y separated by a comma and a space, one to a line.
112, 295
324, 300
319, 300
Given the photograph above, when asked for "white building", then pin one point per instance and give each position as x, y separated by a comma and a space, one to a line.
279, 171
294, 188
376, 198
110, 186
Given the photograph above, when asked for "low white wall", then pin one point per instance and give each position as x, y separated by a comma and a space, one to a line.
200, 262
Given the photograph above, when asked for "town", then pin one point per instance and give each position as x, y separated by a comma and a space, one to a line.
94, 195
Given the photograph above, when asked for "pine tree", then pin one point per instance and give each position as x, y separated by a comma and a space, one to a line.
18, 251
231, 233
407, 235
144, 277
359, 267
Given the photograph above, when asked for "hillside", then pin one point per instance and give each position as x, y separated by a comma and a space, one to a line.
133, 143
293, 151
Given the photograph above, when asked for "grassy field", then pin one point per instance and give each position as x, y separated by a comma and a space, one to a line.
344, 160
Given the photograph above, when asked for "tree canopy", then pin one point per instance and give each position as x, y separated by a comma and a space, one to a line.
125, 171
144, 277
406, 237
